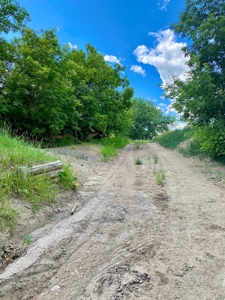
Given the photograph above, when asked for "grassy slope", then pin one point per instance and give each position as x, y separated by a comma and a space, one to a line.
16, 152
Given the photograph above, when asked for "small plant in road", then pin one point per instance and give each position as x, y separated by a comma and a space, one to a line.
138, 161
27, 240
155, 157
160, 175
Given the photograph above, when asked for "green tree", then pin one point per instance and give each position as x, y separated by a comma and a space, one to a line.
37, 94
104, 95
148, 120
201, 98
13, 18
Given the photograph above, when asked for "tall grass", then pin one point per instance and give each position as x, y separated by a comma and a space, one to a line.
16, 152
110, 146
172, 139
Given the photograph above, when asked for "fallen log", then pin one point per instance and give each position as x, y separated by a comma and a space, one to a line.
40, 169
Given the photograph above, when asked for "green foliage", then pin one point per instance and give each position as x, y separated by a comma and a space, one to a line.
118, 142
155, 158
148, 120
108, 152
8, 215
36, 190
50, 90
212, 138
172, 139
12, 16
138, 144
27, 240
138, 161
192, 148
160, 176
65, 142
200, 98
66, 178
111, 144
14, 151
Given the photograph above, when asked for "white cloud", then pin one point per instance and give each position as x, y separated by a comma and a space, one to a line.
138, 69
167, 108
163, 4
178, 125
71, 46
111, 58
167, 56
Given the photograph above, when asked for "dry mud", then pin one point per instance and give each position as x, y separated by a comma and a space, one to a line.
130, 237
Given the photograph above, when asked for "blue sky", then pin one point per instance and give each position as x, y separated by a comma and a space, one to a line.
134, 33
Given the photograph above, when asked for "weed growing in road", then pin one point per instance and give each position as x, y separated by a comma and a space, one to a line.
108, 151
138, 161
138, 144
74, 147
155, 157
218, 174
27, 240
160, 175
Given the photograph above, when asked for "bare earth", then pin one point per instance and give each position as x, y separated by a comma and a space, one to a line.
130, 238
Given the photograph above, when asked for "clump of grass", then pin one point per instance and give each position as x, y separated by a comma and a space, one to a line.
138, 144
171, 139
108, 152
66, 178
27, 240
110, 146
73, 147
155, 157
138, 161
160, 175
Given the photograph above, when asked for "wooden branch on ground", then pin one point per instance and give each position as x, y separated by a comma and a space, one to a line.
41, 169
74, 209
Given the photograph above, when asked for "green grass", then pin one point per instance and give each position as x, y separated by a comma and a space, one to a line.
160, 176
110, 146
192, 148
138, 161
117, 142
108, 152
15, 152
155, 158
172, 139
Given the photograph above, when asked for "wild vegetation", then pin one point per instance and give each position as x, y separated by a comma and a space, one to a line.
172, 139
200, 98
15, 152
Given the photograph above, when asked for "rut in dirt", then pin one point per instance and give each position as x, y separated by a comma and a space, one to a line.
133, 239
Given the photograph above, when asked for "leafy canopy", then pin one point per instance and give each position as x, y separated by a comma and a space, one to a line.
201, 98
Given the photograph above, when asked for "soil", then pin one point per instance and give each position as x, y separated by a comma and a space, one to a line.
130, 237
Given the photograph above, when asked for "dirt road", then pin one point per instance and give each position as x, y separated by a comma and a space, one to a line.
130, 237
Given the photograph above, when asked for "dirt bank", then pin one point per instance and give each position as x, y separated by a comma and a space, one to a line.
130, 238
